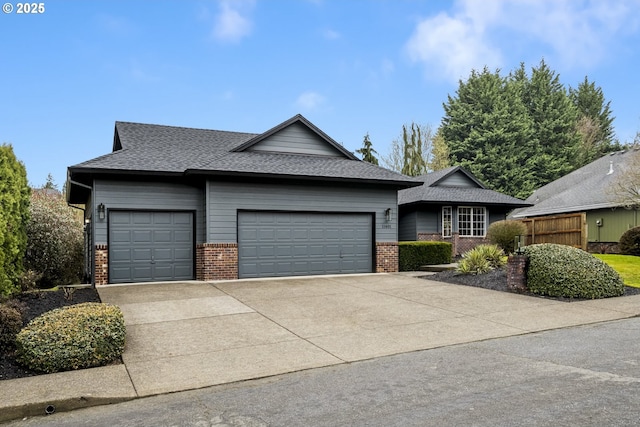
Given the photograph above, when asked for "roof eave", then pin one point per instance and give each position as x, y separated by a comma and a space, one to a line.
239, 174
566, 209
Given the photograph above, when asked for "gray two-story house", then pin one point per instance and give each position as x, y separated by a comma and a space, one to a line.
172, 203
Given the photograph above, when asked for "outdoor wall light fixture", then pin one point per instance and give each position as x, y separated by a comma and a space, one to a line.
387, 214
101, 211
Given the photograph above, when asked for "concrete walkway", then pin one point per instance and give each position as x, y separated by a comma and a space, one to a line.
189, 335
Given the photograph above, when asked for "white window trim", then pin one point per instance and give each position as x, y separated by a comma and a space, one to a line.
484, 209
444, 235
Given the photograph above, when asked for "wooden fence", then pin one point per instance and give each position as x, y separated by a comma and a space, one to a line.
569, 229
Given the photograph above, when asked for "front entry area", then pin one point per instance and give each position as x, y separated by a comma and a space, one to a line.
277, 244
150, 246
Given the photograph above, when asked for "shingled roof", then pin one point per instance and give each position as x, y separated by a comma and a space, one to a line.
434, 191
584, 189
140, 149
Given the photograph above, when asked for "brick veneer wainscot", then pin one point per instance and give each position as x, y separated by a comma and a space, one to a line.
217, 261
386, 257
101, 258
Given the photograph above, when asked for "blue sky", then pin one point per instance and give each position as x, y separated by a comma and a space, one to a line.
349, 66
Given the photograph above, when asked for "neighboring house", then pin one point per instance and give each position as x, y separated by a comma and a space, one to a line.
452, 206
588, 191
173, 203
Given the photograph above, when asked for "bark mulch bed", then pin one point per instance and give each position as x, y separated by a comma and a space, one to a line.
497, 280
31, 305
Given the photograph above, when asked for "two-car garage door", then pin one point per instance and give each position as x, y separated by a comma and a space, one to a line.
275, 244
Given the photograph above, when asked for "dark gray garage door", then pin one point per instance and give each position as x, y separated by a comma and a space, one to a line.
274, 244
150, 246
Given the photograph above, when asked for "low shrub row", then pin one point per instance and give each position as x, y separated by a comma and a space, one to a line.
412, 255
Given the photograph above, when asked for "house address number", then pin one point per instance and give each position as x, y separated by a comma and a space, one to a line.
386, 225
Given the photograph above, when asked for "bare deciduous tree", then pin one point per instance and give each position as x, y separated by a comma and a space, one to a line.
626, 186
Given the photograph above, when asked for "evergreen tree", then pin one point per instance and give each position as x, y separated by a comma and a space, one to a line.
14, 214
595, 122
487, 130
521, 132
554, 118
367, 151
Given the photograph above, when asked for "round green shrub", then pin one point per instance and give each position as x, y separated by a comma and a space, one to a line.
481, 259
72, 337
10, 324
503, 233
564, 271
630, 242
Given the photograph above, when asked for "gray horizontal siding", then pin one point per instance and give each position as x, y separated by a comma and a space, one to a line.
428, 221
457, 180
298, 139
495, 216
225, 199
407, 227
146, 195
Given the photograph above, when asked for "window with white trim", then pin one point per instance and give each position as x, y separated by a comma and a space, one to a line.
447, 219
472, 221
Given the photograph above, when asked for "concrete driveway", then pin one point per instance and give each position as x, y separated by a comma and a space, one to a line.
188, 335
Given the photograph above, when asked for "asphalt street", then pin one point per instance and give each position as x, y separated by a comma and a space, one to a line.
580, 376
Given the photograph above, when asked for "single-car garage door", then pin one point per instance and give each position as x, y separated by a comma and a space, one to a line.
148, 246
274, 244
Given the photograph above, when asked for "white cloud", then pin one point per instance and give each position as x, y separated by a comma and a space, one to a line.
232, 22
330, 34
475, 34
309, 100
451, 47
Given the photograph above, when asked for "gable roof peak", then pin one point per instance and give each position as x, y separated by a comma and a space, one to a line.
298, 118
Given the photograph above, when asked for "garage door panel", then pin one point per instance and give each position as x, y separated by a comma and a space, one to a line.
150, 246
141, 254
138, 236
120, 236
162, 236
120, 255
141, 218
183, 255
302, 243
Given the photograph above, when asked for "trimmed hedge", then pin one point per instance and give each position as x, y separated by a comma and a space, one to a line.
564, 271
412, 255
630, 242
73, 337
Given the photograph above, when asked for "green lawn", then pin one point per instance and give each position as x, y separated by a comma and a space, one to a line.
626, 265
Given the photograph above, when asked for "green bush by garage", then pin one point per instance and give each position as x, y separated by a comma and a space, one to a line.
74, 337
413, 255
563, 271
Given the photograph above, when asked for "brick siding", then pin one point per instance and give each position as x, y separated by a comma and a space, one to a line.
386, 257
217, 261
101, 257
